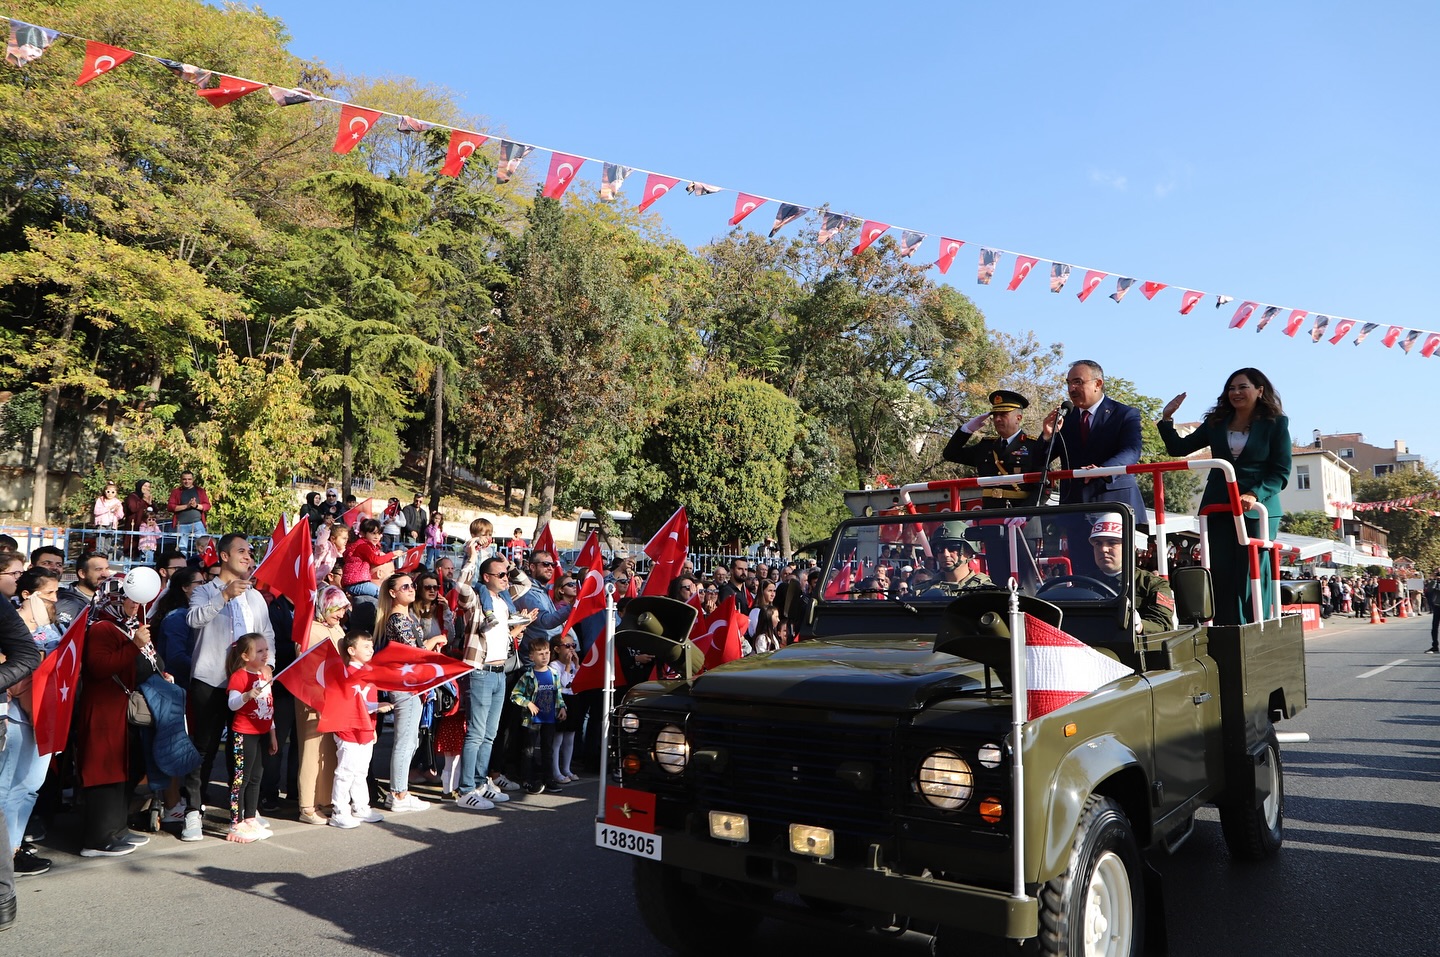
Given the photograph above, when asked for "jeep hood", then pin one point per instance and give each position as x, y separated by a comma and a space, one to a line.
869, 673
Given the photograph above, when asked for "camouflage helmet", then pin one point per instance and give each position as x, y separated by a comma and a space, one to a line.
951, 534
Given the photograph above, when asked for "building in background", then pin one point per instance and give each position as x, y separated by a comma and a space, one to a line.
1370, 461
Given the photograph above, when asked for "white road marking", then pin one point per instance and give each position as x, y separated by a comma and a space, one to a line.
1375, 671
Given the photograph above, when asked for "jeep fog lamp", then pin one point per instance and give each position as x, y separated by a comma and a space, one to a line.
672, 751
991, 810
629, 722
990, 755
812, 841
944, 779
730, 827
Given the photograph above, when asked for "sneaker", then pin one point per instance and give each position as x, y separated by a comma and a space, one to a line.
556, 786
113, 849
241, 833
572, 777
475, 801
504, 783
342, 820
449, 795
312, 817
370, 817
130, 837
261, 822
1431, 651
261, 827
491, 793
174, 815
194, 829
536, 788
412, 803
30, 864
35, 830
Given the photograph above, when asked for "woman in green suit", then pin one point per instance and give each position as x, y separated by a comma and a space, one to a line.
1248, 428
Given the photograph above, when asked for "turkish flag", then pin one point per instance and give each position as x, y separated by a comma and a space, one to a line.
949, 249
1189, 300
1391, 335
413, 556
1242, 315
312, 672
718, 634
365, 509
210, 556
591, 673
1060, 669
346, 707
592, 586
1342, 329
100, 58
1292, 325
402, 667
1093, 278
545, 542
839, 585
289, 570
1149, 289
745, 204
632, 590
655, 187
230, 89
355, 122
275, 538
631, 809
1023, 265
462, 144
1432, 342
563, 168
667, 550
870, 231
55, 685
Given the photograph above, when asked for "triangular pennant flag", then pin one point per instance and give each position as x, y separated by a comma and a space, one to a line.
1392, 334
1365, 330
287, 97
355, 122
1270, 313
612, 177
701, 189
1318, 329
656, 186
1189, 299
1122, 286
989, 259
910, 241
28, 42
408, 124
54, 687
1059, 275
1410, 339
1342, 329
1093, 278
365, 509
830, 226
1221, 300
787, 214
1149, 289
667, 550
949, 249
187, 72
870, 231
1060, 669
1292, 324
463, 145
745, 204
511, 153
1242, 315
591, 597
210, 556
1023, 265
100, 58
1432, 342
230, 89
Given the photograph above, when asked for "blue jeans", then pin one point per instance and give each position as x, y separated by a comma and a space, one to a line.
187, 533
21, 774
364, 589
487, 698
407, 738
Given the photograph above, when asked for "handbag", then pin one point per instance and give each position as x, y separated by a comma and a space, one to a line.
137, 709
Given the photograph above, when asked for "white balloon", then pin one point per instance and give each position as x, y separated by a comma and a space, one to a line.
141, 585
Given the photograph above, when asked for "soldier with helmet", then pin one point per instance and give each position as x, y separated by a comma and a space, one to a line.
1010, 452
952, 557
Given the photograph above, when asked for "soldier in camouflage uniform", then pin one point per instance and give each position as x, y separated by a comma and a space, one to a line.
1154, 601
952, 558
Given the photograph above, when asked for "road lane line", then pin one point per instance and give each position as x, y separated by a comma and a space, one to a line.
1375, 671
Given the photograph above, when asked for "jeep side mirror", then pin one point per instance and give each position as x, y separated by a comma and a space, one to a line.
1300, 593
1194, 596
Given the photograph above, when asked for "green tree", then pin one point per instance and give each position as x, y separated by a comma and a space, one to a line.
1413, 534
1312, 523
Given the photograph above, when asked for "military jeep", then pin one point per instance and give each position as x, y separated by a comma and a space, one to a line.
876, 777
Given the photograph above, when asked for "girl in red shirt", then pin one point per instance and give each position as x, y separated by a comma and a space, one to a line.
364, 564
253, 722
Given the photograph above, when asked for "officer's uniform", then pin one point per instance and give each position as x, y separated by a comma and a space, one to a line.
1154, 599
996, 456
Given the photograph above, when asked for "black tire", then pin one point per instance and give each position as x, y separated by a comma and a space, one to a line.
1254, 830
681, 919
1097, 907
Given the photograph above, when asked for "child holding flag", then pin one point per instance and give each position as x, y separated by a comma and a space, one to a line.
253, 721
353, 744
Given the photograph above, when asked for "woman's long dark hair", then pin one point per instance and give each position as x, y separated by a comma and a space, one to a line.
1267, 406
175, 596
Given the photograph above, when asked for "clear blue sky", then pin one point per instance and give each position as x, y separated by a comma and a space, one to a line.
1280, 152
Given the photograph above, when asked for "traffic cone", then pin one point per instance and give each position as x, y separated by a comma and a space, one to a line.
1404, 612
1375, 618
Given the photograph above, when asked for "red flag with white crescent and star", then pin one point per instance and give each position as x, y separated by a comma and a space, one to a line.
355, 122
839, 586
289, 570
1242, 315
1342, 329
271, 549
745, 204
717, 635
1391, 335
949, 249
656, 186
414, 555
210, 556
545, 542
230, 89
54, 687
1023, 265
100, 58
632, 588
312, 672
1060, 669
345, 706
1093, 278
870, 231
463, 144
1292, 324
1432, 342
1148, 289
1189, 300
562, 172
591, 597
365, 509
402, 667
667, 550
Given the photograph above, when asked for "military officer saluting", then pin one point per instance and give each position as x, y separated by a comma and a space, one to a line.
1010, 452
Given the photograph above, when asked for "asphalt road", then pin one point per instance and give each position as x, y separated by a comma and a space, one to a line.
1355, 876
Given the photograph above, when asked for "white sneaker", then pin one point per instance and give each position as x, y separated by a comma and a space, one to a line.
492, 793
194, 829
474, 801
370, 817
413, 803
343, 820
504, 783
174, 815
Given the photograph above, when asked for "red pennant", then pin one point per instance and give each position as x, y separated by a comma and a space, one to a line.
1432, 342
1149, 289
745, 204
949, 249
413, 557
1292, 325
365, 509
655, 187
100, 58
1023, 265
209, 556
1391, 335
1242, 315
55, 685
667, 550
1342, 329
632, 589
563, 168
717, 635
1189, 300
355, 122
1060, 669
592, 586
462, 144
402, 667
311, 673
230, 89
869, 232
1093, 278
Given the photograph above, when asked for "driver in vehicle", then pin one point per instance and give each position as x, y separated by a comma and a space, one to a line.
1154, 601
952, 558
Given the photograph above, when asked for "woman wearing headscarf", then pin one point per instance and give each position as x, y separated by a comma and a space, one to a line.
139, 507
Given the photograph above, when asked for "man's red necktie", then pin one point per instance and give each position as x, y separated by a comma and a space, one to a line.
1085, 425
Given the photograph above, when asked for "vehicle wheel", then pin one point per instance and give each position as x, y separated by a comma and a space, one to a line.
1253, 832
1097, 907
683, 920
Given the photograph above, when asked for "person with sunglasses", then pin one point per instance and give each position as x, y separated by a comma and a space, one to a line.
401, 624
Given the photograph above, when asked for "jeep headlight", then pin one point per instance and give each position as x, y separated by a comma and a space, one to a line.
629, 722
672, 751
944, 779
